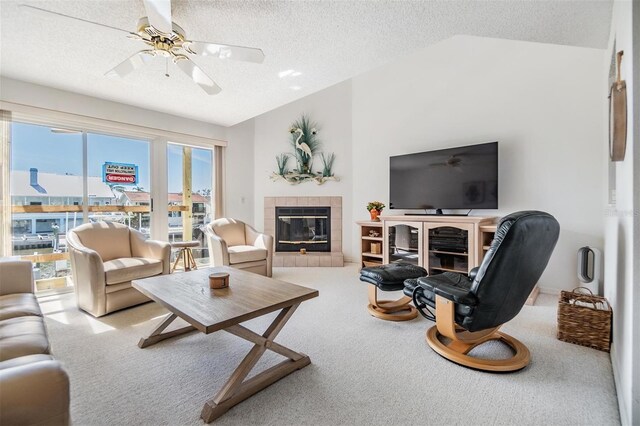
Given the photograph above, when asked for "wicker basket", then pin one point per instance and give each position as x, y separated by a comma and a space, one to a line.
584, 319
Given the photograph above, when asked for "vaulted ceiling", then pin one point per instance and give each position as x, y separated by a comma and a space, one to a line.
309, 45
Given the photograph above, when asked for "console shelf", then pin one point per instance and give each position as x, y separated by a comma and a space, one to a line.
369, 254
367, 258
416, 247
447, 270
448, 252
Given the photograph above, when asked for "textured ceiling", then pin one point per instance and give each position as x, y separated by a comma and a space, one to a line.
325, 41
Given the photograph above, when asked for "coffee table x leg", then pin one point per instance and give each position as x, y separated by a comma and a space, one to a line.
237, 389
158, 334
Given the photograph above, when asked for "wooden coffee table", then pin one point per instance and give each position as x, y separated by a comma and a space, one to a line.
188, 296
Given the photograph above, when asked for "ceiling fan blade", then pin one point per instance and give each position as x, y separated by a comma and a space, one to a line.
49, 13
225, 51
196, 73
130, 64
159, 15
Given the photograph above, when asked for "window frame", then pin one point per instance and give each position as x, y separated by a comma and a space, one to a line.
158, 140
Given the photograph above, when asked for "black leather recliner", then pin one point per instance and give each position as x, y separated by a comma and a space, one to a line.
470, 310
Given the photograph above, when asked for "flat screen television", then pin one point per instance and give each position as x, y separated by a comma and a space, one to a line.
465, 177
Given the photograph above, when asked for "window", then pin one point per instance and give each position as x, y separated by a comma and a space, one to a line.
126, 197
190, 172
56, 182
48, 186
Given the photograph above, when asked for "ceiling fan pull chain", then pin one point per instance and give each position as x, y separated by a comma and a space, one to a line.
166, 67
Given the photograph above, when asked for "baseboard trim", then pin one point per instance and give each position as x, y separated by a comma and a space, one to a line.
622, 408
549, 290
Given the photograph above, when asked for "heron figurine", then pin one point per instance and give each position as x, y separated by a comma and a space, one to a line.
302, 146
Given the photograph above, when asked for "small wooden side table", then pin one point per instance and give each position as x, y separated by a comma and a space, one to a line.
186, 254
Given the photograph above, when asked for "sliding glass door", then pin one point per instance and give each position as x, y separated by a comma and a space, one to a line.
46, 180
62, 178
190, 184
120, 165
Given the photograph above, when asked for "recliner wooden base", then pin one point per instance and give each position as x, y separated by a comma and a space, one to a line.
462, 342
390, 310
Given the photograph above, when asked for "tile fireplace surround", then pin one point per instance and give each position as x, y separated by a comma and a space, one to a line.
334, 258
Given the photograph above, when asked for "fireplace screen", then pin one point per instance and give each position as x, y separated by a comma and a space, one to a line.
303, 228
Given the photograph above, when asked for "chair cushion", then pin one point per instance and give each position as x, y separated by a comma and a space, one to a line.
449, 278
391, 277
22, 336
230, 230
110, 240
24, 360
241, 254
19, 305
131, 268
425, 293
409, 286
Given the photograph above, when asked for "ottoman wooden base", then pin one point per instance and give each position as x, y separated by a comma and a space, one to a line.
390, 310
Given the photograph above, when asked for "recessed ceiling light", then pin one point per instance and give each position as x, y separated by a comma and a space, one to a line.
289, 73
283, 74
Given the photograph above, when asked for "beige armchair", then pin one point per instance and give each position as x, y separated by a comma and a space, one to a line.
236, 244
105, 257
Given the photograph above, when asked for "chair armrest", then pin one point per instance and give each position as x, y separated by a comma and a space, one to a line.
151, 249
34, 393
444, 285
84, 257
16, 276
87, 270
258, 239
473, 273
263, 241
455, 294
218, 252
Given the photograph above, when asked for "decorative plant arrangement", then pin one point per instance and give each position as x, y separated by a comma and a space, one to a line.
375, 209
306, 146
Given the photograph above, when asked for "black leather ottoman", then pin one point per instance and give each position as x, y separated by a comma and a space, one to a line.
391, 277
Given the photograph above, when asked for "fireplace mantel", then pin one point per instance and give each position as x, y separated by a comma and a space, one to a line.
333, 258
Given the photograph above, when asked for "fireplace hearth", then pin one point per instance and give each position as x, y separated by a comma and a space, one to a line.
306, 228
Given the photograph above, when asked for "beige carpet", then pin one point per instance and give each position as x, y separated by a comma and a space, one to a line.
364, 370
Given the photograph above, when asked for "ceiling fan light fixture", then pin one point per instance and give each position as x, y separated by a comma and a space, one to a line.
167, 39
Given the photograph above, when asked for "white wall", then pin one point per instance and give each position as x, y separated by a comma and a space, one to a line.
35, 95
239, 179
331, 109
541, 102
621, 233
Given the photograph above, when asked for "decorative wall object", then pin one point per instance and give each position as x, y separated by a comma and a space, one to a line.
618, 116
306, 146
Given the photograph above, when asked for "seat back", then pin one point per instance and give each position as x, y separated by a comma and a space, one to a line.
230, 230
111, 240
518, 256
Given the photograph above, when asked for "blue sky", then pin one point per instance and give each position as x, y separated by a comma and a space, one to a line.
37, 146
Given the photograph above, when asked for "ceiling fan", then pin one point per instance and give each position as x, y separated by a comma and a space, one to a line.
166, 39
